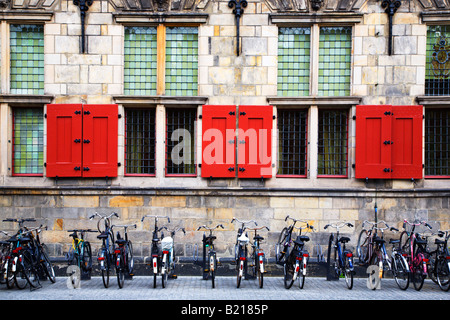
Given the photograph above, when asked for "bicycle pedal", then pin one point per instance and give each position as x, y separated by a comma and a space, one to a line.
174, 276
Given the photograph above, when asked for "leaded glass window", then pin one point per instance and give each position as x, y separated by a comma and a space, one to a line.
437, 81
335, 49
27, 59
181, 61
140, 56
28, 141
293, 61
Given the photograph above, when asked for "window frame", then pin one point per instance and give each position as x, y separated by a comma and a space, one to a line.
307, 149
13, 135
342, 176
126, 109
425, 142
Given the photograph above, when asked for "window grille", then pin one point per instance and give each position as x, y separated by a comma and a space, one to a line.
140, 142
437, 82
292, 142
180, 141
437, 142
27, 59
28, 141
333, 142
335, 53
181, 61
140, 54
293, 61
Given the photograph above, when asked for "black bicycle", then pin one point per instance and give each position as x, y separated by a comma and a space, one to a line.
240, 250
439, 270
124, 254
341, 261
291, 254
156, 252
208, 240
106, 254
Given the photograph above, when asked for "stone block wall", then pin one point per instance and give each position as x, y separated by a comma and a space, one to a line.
65, 210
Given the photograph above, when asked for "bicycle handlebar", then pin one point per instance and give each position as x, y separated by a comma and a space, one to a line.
255, 229
243, 221
418, 223
156, 217
124, 225
105, 217
337, 226
208, 228
81, 230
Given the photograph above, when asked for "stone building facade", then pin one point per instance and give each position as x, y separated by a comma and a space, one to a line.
161, 62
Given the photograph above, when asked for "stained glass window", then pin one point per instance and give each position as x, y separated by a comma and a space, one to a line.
181, 61
437, 81
293, 61
28, 137
335, 53
27, 59
140, 56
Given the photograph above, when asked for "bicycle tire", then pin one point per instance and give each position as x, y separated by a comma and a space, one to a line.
443, 274
239, 276
417, 276
47, 264
401, 271
288, 276
212, 257
280, 248
260, 273
120, 271
129, 257
348, 273
105, 268
86, 258
24, 271
165, 270
10, 281
405, 243
362, 249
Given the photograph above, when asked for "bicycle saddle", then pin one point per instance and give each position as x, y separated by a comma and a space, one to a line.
121, 241
102, 235
421, 241
379, 240
344, 239
438, 241
258, 238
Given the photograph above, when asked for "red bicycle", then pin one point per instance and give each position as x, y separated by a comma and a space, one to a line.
415, 247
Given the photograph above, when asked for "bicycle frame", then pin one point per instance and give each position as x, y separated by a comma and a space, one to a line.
208, 242
342, 252
416, 254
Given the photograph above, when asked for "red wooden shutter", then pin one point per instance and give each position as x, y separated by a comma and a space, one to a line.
100, 140
255, 142
64, 140
407, 142
218, 141
372, 144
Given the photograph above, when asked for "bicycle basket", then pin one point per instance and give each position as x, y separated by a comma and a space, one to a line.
167, 244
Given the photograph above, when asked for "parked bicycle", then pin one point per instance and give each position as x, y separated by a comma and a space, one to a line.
28, 261
168, 253
415, 246
5, 252
291, 253
156, 252
210, 267
257, 256
240, 250
124, 254
106, 255
80, 253
342, 259
439, 270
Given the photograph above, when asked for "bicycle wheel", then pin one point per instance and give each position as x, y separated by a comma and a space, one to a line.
405, 243
46, 264
165, 269
362, 248
301, 276
120, 270
443, 273
288, 270
10, 273
417, 274
260, 274
24, 271
86, 258
281, 247
401, 271
129, 257
240, 271
212, 267
348, 273
104, 266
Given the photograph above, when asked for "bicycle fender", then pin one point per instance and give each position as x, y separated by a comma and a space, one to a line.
211, 263
261, 263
